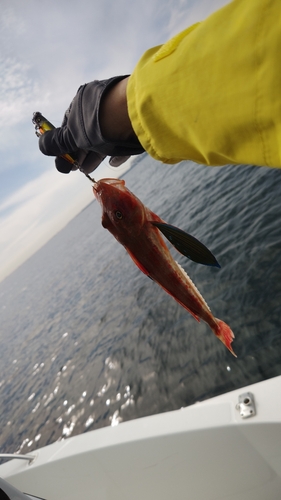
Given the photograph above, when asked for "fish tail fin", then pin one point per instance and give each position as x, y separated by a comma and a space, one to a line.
225, 334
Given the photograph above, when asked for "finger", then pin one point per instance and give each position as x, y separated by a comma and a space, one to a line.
91, 162
57, 142
116, 161
63, 165
48, 145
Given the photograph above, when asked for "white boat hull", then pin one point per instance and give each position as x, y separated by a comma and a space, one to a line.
203, 452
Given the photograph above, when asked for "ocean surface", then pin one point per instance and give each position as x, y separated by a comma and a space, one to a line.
88, 341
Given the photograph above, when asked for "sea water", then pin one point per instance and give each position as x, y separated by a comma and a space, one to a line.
88, 341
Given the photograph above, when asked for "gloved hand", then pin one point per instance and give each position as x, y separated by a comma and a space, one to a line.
88, 162
80, 134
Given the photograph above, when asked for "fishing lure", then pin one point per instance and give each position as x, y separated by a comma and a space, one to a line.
43, 125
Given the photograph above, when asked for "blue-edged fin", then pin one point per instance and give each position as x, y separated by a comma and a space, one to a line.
187, 245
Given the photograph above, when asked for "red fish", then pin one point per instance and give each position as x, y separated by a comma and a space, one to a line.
138, 229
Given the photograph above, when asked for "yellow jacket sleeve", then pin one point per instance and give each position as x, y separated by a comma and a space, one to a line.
212, 94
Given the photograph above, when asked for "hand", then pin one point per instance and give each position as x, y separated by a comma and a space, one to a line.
88, 162
116, 161
80, 134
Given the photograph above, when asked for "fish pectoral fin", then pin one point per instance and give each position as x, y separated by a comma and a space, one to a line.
187, 245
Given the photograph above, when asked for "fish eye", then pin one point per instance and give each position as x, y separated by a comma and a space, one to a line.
118, 215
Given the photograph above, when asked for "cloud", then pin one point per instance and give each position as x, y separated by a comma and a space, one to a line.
187, 13
17, 88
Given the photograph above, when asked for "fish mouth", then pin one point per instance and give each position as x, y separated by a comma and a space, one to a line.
112, 181
103, 185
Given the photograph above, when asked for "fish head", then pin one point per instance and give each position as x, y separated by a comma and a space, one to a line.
122, 210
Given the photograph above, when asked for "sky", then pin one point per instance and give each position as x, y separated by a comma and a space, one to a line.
47, 50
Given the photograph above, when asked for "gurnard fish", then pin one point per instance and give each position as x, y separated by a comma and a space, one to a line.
138, 229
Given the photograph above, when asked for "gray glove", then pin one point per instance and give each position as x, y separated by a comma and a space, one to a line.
80, 134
